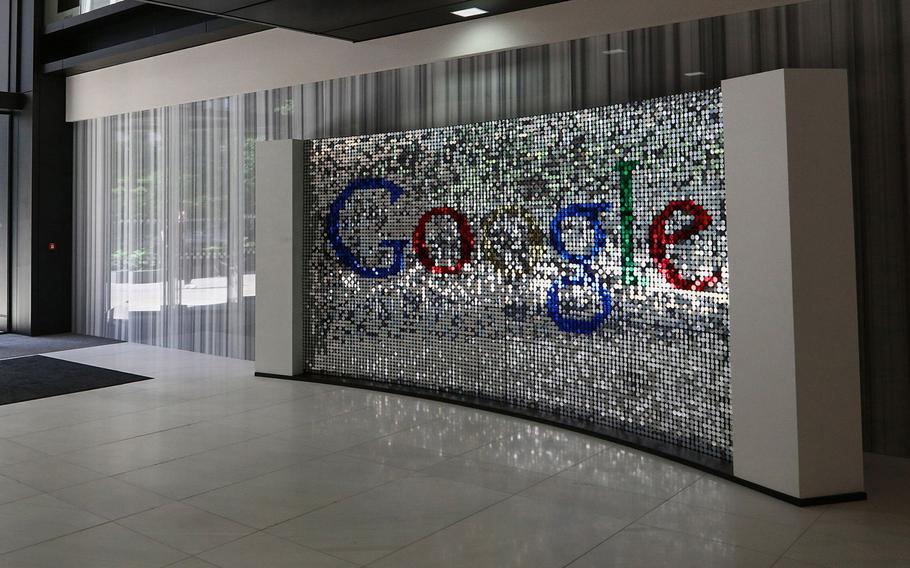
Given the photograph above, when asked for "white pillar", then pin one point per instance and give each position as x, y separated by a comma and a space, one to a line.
794, 338
279, 260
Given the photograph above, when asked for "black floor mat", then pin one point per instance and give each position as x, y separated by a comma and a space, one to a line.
12, 345
28, 378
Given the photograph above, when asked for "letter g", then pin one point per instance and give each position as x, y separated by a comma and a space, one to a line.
333, 232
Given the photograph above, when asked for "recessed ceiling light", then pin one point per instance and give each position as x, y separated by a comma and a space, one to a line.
616, 51
694, 74
470, 12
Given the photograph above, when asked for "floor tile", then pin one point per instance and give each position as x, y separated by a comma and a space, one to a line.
144, 398
456, 435
293, 491
105, 546
13, 453
236, 402
710, 492
356, 427
49, 474
886, 487
63, 410
261, 550
151, 449
192, 563
392, 452
851, 542
328, 437
539, 448
746, 532
36, 519
373, 524
110, 498
192, 475
185, 528
634, 471
790, 563
104, 431
485, 474
593, 499
289, 414
866, 517
647, 547
12, 490
410, 410
44, 418
202, 385
516, 533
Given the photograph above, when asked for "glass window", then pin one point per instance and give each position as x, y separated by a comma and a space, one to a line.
56, 10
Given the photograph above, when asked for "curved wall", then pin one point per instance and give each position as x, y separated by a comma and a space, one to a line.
573, 265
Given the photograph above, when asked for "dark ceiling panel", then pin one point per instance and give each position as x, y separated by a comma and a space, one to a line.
128, 31
429, 18
321, 16
355, 20
211, 6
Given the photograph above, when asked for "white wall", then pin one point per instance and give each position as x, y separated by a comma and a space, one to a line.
279, 58
279, 270
794, 348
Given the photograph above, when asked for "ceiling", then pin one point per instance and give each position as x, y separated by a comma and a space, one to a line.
354, 20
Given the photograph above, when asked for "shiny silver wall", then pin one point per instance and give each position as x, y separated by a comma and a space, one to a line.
573, 265
164, 250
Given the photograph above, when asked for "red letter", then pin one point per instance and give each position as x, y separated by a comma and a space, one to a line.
660, 239
419, 241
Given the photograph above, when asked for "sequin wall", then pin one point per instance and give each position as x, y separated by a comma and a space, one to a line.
573, 264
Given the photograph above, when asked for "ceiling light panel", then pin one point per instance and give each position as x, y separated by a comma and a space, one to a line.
470, 12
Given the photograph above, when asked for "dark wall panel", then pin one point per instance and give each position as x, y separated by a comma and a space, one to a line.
40, 184
6, 45
36, 179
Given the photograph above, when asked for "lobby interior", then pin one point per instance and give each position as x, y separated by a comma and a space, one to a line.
489, 283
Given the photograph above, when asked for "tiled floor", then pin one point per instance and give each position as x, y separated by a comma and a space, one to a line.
207, 465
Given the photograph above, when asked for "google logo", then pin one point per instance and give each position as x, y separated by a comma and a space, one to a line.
593, 213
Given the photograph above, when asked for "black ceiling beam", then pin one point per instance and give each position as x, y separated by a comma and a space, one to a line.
127, 31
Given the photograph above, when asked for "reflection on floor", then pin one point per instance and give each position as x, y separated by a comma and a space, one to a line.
208, 466
13, 345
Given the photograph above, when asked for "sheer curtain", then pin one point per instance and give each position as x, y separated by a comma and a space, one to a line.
165, 254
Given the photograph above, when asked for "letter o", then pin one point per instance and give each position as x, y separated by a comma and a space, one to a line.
536, 241
466, 238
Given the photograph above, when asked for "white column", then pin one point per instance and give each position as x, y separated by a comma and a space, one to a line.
794, 338
279, 260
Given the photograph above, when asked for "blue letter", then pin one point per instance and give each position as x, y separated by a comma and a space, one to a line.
333, 232
591, 212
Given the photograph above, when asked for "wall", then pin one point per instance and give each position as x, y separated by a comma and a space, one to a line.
532, 264
194, 152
